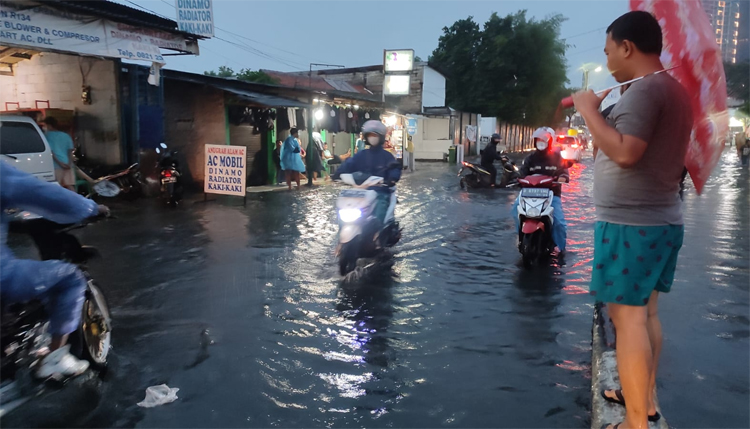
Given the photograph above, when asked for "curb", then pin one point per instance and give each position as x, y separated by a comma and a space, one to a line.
604, 375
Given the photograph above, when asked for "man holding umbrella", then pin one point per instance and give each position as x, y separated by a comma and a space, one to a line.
639, 230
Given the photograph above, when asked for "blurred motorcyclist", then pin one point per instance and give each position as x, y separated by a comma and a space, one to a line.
60, 286
490, 155
548, 162
375, 162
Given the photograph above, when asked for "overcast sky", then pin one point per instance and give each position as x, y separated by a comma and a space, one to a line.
289, 35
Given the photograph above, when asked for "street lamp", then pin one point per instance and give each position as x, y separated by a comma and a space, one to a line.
586, 69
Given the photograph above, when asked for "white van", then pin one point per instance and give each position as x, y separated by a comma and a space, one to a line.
23, 145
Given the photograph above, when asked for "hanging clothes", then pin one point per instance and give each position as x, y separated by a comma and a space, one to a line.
300, 115
292, 114
282, 120
343, 119
334, 119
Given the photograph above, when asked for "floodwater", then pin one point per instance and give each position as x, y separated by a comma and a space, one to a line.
243, 310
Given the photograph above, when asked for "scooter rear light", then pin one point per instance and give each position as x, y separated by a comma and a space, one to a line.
166, 173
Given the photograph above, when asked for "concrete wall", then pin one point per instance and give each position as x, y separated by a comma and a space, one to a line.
58, 78
433, 88
194, 116
432, 138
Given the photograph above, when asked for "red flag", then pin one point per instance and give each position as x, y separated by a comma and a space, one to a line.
690, 42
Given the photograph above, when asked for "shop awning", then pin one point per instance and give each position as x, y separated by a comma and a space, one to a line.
262, 99
239, 88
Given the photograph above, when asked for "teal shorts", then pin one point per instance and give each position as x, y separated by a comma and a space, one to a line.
630, 262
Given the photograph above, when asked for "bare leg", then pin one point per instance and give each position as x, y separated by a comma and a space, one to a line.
653, 325
57, 342
297, 180
289, 179
634, 361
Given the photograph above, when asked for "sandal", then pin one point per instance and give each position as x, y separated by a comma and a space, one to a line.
620, 400
610, 425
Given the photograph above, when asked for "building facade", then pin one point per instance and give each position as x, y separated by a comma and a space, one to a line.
730, 20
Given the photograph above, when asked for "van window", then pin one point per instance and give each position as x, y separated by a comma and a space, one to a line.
19, 137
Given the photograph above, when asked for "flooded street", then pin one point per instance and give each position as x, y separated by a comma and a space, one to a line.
243, 310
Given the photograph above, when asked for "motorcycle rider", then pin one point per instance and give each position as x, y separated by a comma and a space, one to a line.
489, 156
376, 162
548, 162
61, 286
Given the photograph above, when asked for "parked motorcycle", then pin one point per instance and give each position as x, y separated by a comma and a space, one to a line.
361, 234
169, 175
128, 180
25, 335
474, 176
535, 218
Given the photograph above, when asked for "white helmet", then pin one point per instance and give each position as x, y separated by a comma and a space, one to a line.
543, 138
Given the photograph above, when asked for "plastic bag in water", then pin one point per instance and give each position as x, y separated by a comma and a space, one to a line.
159, 395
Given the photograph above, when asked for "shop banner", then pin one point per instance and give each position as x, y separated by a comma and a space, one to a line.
196, 17
226, 168
411, 126
46, 28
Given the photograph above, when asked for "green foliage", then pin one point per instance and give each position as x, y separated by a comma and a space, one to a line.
514, 68
246, 75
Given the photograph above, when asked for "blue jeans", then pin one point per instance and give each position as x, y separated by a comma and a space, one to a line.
559, 227
59, 285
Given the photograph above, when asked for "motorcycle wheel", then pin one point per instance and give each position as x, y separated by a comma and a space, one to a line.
93, 338
529, 251
131, 190
347, 258
462, 183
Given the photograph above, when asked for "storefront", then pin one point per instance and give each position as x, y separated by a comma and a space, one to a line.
64, 59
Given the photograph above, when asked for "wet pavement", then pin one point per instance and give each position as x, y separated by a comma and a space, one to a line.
242, 308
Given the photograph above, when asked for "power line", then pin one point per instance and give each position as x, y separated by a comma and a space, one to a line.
581, 34
584, 51
246, 38
243, 46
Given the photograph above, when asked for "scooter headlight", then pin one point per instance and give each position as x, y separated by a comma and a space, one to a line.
533, 212
350, 215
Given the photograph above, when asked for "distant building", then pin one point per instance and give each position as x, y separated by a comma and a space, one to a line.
730, 21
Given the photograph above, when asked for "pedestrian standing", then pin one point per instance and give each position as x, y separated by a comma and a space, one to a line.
290, 159
62, 153
745, 153
639, 230
277, 162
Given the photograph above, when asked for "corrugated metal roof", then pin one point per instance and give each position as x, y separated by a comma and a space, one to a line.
340, 85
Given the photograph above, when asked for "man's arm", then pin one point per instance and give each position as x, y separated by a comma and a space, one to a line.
625, 150
525, 167
562, 170
23, 191
60, 163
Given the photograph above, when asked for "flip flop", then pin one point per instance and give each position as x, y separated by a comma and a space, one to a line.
620, 400
613, 427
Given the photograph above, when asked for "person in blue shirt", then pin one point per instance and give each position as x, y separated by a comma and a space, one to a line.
375, 161
291, 162
59, 285
360, 143
62, 152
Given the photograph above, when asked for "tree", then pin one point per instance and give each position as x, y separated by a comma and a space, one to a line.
224, 71
514, 68
246, 75
456, 56
256, 76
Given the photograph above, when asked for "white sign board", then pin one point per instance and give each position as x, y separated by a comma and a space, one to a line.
226, 168
399, 60
397, 84
50, 29
196, 17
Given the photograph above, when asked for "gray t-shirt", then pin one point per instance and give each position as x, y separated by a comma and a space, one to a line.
656, 110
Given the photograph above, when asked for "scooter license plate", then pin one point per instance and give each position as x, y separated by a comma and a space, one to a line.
535, 192
168, 180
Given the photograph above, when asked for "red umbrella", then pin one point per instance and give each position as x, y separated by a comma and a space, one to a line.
690, 43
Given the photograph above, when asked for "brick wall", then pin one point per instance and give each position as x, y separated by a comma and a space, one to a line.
193, 117
58, 78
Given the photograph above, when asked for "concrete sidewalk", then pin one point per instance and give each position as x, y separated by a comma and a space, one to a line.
604, 374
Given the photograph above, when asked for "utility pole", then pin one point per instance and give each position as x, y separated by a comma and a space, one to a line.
311, 148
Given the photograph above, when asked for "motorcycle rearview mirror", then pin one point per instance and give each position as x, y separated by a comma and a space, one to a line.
163, 145
105, 188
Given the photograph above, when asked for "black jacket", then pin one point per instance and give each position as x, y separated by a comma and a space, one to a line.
549, 163
489, 154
